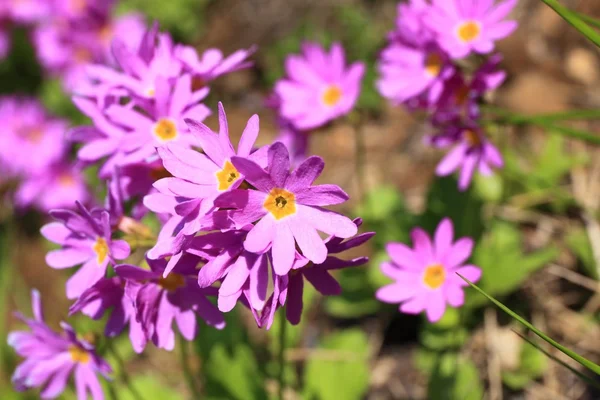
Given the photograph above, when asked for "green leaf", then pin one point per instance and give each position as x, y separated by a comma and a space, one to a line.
578, 242
149, 387
454, 377
580, 359
342, 377
229, 366
504, 265
575, 21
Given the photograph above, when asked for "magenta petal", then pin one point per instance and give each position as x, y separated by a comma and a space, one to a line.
55, 232
210, 313
85, 278
261, 236
248, 136
309, 241
396, 292
455, 296
236, 277
443, 237
293, 305
213, 270
404, 256
322, 195
254, 174
279, 164
327, 221
68, 257
459, 252
186, 322
284, 248
323, 281
305, 174
423, 247
436, 306
120, 249
259, 282
470, 272
415, 305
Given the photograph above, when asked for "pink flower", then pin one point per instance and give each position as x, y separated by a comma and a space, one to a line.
319, 87
426, 276
86, 238
287, 207
464, 26
471, 151
212, 64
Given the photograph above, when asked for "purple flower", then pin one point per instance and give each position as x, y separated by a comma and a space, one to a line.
163, 121
141, 68
86, 239
59, 186
464, 26
318, 274
212, 64
319, 87
31, 140
50, 358
109, 293
407, 72
426, 276
410, 27
4, 41
296, 142
26, 11
287, 208
199, 178
159, 302
471, 151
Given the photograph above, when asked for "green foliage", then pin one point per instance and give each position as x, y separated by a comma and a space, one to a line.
183, 18
230, 368
345, 376
454, 377
504, 264
575, 21
20, 71
579, 243
463, 208
532, 365
149, 387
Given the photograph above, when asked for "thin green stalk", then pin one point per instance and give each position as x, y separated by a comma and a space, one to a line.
281, 354
573, 115
187, 370
123, 375
507, 117
589, 20
580, 359
575, 21
581, 376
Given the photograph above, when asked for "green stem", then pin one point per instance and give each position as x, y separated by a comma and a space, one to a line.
123, 375
587, 114
187, 370
281, 354
590, 20
575, 21
507, 117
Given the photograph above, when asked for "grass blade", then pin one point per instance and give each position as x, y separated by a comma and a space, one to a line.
581, 376
575, 21
581, 360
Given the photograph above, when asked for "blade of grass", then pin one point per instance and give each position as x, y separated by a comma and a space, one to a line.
575, 21
581, 360
572, 115
507, 117
587, 19
581, 376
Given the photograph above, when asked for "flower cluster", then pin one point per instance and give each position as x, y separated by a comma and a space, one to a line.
34, 154
51, 357
419, 69
318, 88
427, 276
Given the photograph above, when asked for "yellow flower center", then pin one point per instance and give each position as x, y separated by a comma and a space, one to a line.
165, 130
469, 31
172, 282
227, 176
472, 138
433, 64
150, 92
82, 55
79, 355
66, 180
280, 203
332, 95
435, 276
101, 249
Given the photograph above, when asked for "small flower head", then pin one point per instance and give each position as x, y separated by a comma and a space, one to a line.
286, 208
51, 358
425, 277
471, 151
319, 87
463, 27
86, 238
